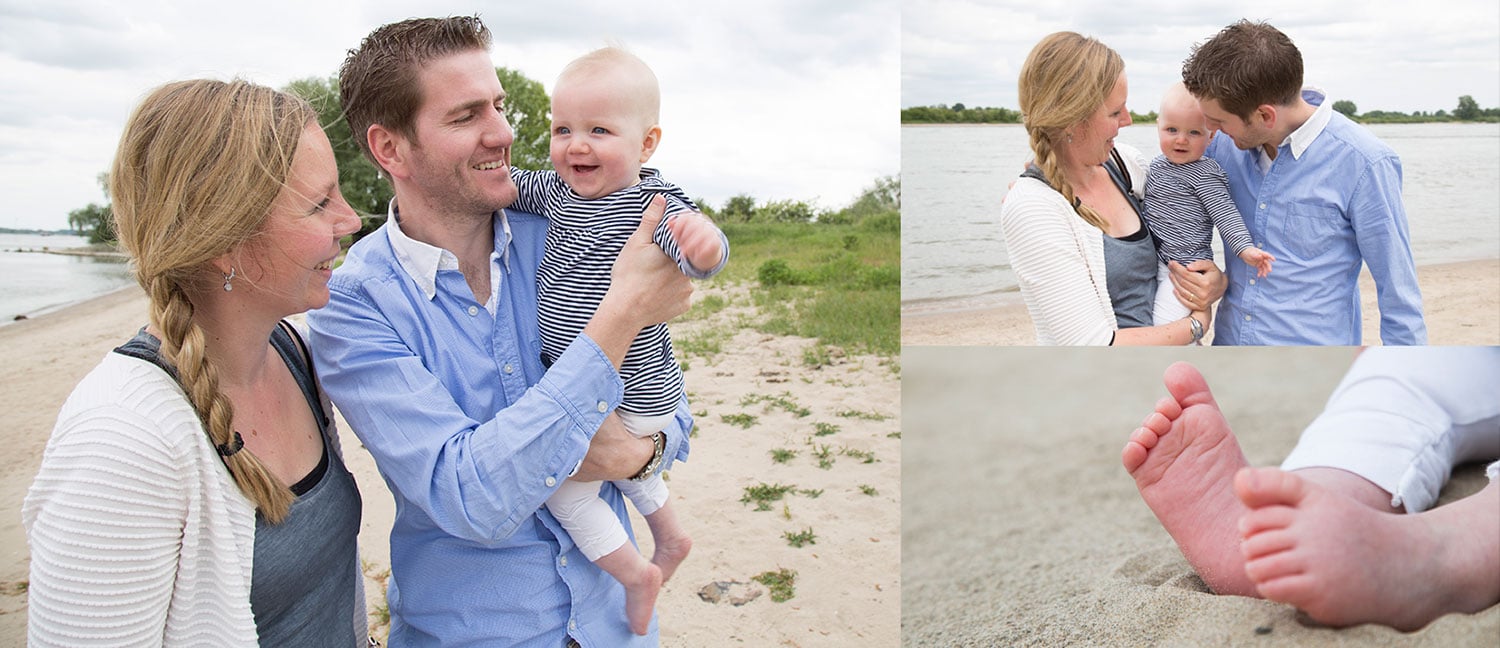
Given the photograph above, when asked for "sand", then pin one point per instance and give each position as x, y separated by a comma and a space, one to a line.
1021, 528
848, 586
1461, 302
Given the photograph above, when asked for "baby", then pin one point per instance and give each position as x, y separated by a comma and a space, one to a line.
604, 127
1187, 195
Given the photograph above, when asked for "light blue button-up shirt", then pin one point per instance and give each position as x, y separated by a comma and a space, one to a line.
472, 435
1330, 201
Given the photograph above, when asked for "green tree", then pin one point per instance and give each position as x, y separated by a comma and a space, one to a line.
785, 211
527, 108
1468, 109
738, 209
1345, 106
359, 179
95, 221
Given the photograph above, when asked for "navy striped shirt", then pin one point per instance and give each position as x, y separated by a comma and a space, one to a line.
583, 238
1184, 202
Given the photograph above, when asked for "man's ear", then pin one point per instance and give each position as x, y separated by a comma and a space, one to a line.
651, 141
389, 149
1266, 115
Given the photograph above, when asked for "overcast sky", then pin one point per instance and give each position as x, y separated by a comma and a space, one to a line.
1380, 54
780, 99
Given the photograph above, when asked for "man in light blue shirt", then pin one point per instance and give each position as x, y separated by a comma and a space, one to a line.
1317, 191
431, 349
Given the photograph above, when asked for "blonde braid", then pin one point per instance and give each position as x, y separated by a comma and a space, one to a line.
183, 346
197, 169
1041, 144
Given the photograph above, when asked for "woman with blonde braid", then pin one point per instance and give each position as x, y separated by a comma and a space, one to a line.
1073, 224
192, 492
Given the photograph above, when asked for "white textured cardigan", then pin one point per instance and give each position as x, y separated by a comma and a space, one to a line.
139, 535
1058, 260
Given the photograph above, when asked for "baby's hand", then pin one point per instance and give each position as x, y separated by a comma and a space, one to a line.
1259, 258
698, 239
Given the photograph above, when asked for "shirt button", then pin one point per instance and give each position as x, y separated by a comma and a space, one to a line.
1262, 205
1247, 318
509, 368
563, 561
1252, 282
603, 406
572, 625
473, 310
551, 481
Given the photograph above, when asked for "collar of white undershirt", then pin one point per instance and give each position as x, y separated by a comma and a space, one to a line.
1298, 140
422, 261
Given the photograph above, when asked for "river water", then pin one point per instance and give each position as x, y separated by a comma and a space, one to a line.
954, 177
32, 281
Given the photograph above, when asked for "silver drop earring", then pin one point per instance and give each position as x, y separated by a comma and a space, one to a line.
227, 286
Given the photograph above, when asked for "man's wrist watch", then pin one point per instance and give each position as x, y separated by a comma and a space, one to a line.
658, 446
1197, 327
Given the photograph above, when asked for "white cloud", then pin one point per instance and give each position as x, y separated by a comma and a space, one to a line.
1382, 54
779, 99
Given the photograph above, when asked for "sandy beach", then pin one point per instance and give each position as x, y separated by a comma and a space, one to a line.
1047, 543
847, 588
1461, 302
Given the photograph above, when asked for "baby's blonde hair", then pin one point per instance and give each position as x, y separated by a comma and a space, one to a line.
197, 169
614, 64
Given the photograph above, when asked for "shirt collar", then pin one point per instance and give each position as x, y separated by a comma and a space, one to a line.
1298, 140
422, 261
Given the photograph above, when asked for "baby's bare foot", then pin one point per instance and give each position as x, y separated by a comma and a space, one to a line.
1184, 458
672, 541
640, 598
669, 553
642, 581
1345, 563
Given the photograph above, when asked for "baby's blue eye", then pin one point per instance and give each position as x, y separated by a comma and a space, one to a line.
599, 130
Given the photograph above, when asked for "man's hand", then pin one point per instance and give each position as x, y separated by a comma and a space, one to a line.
614, 453
645, 288
1198, 285
698, 239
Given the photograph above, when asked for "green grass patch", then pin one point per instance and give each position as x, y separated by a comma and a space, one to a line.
840, 284
810, 493
801, 538
763, 494
782, 583
742, 420
824, 455
868, 490
824, 429
783, 402
782, 455
862, 455
705, 307
863, 416
706, 343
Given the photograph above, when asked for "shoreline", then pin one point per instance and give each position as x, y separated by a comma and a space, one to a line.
1460, 300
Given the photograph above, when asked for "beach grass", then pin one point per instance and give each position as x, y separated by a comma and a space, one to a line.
840, 284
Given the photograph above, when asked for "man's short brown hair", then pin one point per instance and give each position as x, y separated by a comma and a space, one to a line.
1245, 66
378, 80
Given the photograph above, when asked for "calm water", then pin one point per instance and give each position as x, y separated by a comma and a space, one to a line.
954, 177
31, 282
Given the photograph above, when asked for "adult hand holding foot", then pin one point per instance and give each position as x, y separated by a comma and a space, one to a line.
1327, 532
